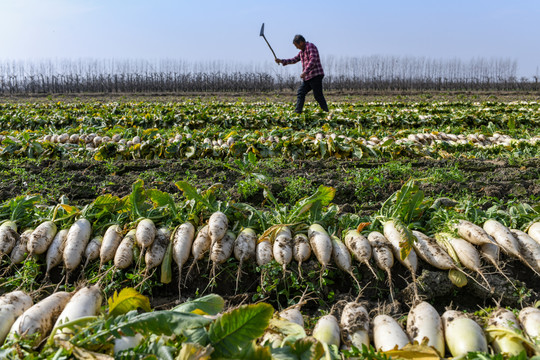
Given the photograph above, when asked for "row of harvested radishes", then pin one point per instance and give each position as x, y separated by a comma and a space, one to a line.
454, 330
444, 251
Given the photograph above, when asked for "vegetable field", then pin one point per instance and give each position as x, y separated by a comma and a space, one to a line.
209, 229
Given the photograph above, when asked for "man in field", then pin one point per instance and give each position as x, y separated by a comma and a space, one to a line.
312, 73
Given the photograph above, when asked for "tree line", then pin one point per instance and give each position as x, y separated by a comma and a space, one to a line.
175, 76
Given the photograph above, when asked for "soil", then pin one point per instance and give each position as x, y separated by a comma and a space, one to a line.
496, 181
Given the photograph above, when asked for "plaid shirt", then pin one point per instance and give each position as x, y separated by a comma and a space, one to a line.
311, 63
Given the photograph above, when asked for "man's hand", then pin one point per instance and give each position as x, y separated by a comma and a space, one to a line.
303, 75
279, 61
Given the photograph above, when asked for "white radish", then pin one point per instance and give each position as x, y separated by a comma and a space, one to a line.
12, 305
182, 241
41, 238
423, 322
127, 342
91, 252
529, 318
342, 257
283, 248
528, 247
395, 237
502, 343
76, 241
503, 237
40, 317
383, 256
534, 231
321, 245
360, 248
394, 234
123, 257
244, 249
301, 250
20, 251
462, 335
8, 237
85, 302
355, 325
55, 252
221, 251
156, 252
293, 315
200, 246
145, 233
387, 333
472, 233
428, 249
217, 226
264, 252
468, 256
109, 244
326, 330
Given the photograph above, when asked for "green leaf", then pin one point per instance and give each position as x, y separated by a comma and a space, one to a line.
236, 329
303, 349
191, 193
324, 195
128, 299
162, 199
210, 304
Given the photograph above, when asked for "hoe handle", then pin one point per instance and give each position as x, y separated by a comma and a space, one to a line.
275, 57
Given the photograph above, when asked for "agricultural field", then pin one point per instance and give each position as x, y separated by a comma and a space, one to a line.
202, 228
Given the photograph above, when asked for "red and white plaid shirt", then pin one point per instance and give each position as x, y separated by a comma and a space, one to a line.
311, 63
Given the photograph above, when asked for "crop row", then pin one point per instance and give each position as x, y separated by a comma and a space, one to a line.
383, 117
152, 144
77, 322
308, 230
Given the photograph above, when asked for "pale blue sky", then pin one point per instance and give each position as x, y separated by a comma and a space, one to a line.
229, 30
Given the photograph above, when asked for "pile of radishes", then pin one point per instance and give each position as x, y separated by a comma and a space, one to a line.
455, 333
78, 245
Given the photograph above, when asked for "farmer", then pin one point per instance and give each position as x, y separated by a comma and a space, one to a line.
312, 72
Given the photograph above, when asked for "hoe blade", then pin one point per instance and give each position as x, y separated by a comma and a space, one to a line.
262, 30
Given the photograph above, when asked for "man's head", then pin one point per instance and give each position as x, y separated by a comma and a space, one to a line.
299, 42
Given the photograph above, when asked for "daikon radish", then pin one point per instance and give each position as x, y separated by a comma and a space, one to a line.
217, 226
221, 251
472, 233
342, 257
12, 305
387, 333
301, 250
501, 341
55, 252
8, 237
321, 245
41, 238
428, 249
182, 241
76, 241
462, 335
109, 244
156, 252
91, 252
395, 234
85, 302
528, 247
354, 323
382, 254
244, 249
529, 318
423, 322
360, 248
123, 257
534, 231
263, 252
40, 317
326, 330
283, 248
20, 251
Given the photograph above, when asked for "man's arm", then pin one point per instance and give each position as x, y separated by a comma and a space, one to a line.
284, 62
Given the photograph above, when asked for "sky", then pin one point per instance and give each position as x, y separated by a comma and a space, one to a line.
217, 30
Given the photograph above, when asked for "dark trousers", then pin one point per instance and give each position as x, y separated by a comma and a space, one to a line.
314, 84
